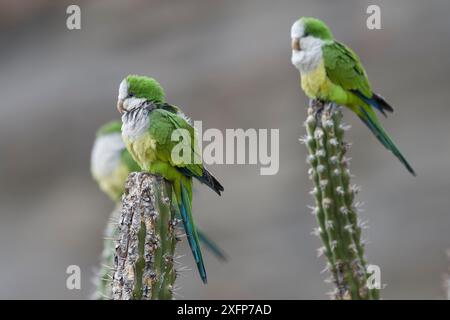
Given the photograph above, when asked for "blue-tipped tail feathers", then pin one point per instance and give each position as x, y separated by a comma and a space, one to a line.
185, 206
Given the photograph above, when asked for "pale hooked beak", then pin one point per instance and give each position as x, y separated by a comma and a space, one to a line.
295, 44
120, 107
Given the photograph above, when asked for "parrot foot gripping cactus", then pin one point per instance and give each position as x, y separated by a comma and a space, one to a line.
144, 257
338, 224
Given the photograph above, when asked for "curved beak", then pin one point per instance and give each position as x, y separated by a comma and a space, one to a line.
295, 44
120, 106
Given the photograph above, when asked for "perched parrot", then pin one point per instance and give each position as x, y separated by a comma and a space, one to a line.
147, 126
331, 72
111, 163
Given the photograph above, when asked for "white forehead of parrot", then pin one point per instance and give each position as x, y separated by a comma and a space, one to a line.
298, 29
123, 89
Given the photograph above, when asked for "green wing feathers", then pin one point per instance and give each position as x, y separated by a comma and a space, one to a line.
163, 124
344, 68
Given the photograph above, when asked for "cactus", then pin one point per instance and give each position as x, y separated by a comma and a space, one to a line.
335, 211
104, 276
144, 254
446, 280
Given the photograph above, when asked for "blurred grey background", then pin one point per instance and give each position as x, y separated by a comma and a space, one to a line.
226, 63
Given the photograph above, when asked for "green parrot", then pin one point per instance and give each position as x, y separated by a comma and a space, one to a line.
330, 71
148, 123
111, 163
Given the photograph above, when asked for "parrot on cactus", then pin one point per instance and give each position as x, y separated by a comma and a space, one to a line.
331, 72
111, 163
148, 123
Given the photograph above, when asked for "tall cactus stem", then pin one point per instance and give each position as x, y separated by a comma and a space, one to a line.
336, 215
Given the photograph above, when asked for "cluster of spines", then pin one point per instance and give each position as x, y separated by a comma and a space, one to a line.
104, 276
143, 264
338, 224
446, 280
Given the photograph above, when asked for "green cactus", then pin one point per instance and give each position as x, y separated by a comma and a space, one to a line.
104, 276
338, 224
144, 255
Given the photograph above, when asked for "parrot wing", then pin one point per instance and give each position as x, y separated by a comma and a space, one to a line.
163, 124
167, 123
344, 68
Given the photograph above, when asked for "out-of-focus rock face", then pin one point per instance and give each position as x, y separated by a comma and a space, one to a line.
228, 64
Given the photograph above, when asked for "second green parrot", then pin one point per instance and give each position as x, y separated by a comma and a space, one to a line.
330, 71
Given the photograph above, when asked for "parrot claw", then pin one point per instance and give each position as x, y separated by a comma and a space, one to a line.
318, 107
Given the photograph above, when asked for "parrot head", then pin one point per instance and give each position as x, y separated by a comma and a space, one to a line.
134, 90
307, 35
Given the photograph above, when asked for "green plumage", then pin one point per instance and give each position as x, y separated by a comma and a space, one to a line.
339, 77
152, 149
162, 124
145, 87
344, 68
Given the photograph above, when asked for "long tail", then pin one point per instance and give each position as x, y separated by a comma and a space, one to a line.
184, 203
211, 245
368, 116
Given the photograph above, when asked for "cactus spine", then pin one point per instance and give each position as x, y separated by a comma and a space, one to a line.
104, 276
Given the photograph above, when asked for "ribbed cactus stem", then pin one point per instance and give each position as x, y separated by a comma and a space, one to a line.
103, 279
319, 211
446, 280
144, 255
335, 212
